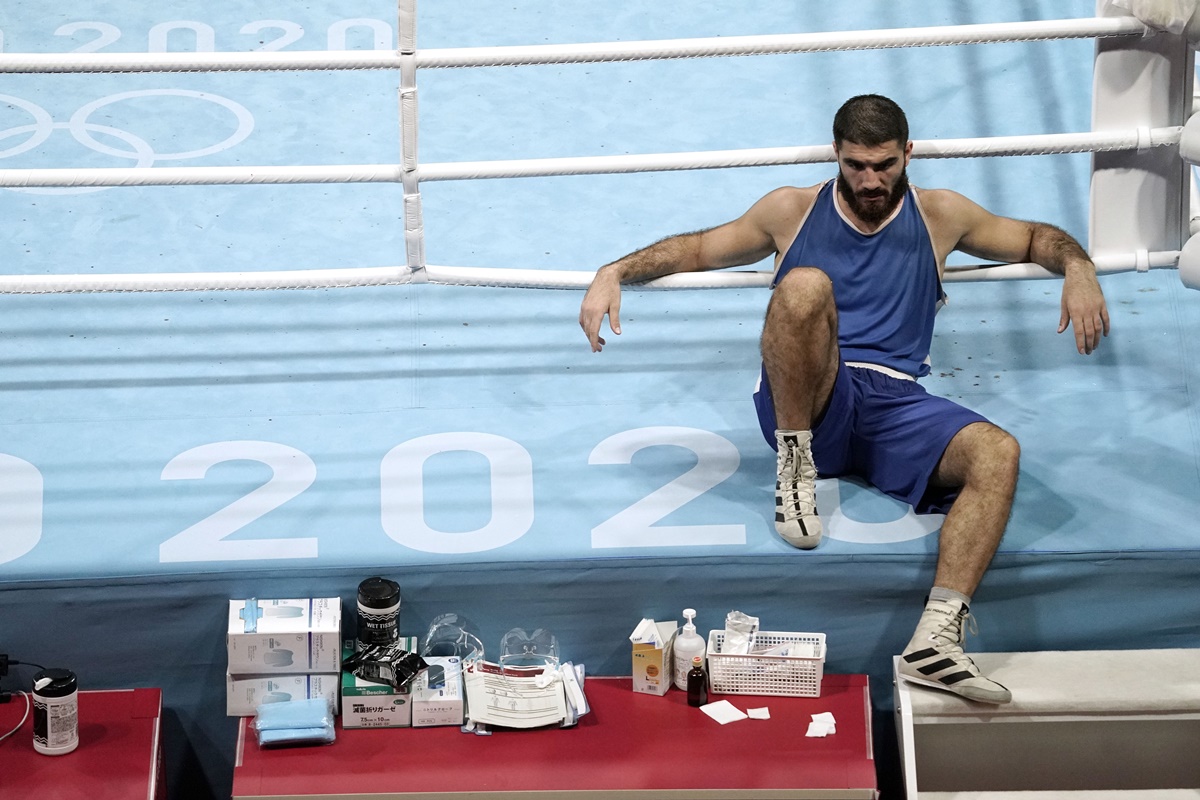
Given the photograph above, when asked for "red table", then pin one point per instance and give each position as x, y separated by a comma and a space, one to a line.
630, 746
118, 758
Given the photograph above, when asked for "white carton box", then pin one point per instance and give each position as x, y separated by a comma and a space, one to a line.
366, 704
245, 693
267, 637
653, 645
437, 693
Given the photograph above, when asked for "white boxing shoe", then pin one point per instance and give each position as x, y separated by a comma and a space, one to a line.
934, 657
796, 517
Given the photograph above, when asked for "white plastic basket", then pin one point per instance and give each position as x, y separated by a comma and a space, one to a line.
797, 674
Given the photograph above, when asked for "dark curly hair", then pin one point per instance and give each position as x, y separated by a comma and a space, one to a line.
870, 120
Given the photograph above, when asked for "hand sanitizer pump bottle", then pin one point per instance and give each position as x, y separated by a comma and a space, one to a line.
688, 645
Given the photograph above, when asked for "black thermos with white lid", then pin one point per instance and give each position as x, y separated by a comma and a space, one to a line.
378, 612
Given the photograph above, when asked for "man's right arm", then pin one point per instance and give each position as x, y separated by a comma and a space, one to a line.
746, 240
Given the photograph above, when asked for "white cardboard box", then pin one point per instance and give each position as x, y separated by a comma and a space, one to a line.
437, 697
244, 693
366, 704
267, 637
653, 669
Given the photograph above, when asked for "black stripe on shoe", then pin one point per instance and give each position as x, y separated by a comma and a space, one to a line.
937, 666
955, 677
921, 655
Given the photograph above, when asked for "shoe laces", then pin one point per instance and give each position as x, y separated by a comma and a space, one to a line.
952, 628
796, 475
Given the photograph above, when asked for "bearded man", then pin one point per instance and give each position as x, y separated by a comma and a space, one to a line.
858, 268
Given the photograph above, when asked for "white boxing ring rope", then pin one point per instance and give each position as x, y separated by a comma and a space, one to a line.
408, 59
1038, 144
1087, 28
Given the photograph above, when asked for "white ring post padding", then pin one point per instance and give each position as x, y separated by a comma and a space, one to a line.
1189, 140
509, 278
1189, 263
1035, 30
1037, 144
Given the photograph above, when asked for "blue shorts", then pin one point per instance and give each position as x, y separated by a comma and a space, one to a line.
888, 431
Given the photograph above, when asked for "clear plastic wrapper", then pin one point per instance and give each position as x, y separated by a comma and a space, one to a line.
739, 632
452, 634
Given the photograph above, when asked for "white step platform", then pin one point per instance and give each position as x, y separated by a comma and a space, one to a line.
1082, 724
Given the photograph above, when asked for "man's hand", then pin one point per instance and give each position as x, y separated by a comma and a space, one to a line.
1083, 308
602, 297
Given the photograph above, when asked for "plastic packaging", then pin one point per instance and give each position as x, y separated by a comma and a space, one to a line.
697, 688
387, 664
739, 633
295, 722
688, 645
452, 634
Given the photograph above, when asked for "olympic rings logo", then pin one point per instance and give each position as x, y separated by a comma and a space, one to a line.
137, 149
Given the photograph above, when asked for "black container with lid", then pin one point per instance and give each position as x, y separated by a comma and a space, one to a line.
378, 612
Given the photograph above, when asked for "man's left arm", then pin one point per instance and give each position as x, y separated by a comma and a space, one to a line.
978, 232
1083, 306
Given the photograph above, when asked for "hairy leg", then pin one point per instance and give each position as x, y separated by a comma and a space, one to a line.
799, 347
983, 459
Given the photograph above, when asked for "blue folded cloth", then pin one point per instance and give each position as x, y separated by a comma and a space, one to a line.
294, 722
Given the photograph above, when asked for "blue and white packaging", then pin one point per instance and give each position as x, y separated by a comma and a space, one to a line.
437, 693
244, 694
267, 637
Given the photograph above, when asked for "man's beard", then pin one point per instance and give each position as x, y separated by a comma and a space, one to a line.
873, 215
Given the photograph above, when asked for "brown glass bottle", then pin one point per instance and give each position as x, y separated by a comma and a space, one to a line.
697, 689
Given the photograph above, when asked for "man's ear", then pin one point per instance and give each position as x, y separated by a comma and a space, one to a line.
908, 152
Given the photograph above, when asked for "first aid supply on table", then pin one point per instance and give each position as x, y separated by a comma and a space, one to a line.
378, 612
55, 712
688, 645
697, 690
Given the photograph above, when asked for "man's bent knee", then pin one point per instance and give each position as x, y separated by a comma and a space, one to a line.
805, 283
805, 292
980, 451
996, 456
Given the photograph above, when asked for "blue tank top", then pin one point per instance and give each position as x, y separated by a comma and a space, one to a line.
885, 284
